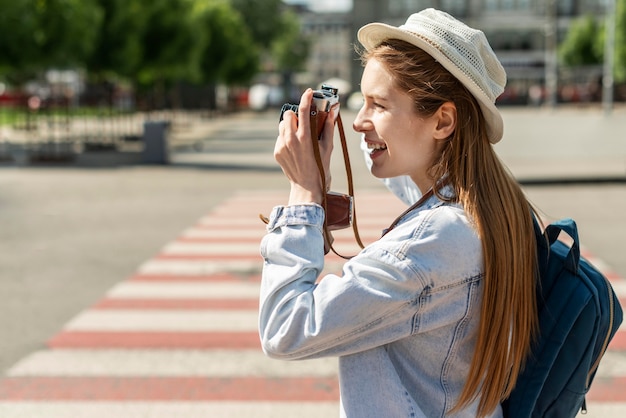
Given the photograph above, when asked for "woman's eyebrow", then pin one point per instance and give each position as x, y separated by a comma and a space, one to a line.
376, 97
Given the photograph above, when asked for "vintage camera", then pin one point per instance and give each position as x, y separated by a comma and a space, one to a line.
323, 100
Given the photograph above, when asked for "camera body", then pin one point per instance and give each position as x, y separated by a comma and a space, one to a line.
323, 100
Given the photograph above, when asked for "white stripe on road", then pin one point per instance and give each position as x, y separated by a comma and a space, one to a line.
613, 364
223, 233
168, 363
209, 363
200, 267
369, 234
184, 290
164, 321
193, 267
619, 288
225, 221
604, 410
102, 409
221, 248
367, 223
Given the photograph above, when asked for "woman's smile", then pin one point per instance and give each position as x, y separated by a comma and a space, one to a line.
376, 148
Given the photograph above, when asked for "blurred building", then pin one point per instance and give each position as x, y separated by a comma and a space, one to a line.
331, 48
524, 34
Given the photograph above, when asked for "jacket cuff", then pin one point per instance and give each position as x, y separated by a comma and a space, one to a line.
310, 214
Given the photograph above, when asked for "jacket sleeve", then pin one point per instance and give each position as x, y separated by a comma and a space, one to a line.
305, 316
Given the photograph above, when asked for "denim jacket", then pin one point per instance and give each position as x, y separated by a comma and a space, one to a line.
402, 317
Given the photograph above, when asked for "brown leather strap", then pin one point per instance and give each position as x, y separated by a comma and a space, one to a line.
328, 240
346, 160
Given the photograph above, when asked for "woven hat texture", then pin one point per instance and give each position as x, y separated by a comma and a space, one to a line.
462, 50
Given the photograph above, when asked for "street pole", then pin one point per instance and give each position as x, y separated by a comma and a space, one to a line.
551, 72
609, 56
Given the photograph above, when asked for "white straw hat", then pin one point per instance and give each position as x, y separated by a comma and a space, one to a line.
462, 50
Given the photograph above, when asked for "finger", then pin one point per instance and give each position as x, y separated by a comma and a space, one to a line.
304, 111
329, 129
329, 123
289, 123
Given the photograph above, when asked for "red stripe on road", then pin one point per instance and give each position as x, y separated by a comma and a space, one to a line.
618, 343
119, 303
169, 389
607, 390
613, 277
218, 277
119, 339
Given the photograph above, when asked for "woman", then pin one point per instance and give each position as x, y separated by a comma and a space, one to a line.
435, 318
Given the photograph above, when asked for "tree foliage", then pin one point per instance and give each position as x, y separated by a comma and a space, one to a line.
584, 42
43, 33
262, 17
582, 46
292, 48
620, 41
228, 52
118, 45
148, 41
169, 42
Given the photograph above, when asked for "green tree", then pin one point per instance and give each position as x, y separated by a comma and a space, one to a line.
584, 42
290, 51
38, 34
169, 43
262, 17
582, 46
118, 47
620, 41
228, 54
277, 32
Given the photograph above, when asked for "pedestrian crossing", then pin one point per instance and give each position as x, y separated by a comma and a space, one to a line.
179, 338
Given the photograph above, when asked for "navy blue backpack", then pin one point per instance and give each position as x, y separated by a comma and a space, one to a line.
578, 316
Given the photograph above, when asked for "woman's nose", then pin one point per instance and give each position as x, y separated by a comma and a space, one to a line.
359, 124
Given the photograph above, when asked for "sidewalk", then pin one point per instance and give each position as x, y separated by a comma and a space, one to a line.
568, 144
179, 338
540, 145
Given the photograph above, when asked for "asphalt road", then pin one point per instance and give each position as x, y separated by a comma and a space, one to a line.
68, 233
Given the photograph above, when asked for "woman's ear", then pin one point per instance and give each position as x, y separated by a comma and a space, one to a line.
446, 120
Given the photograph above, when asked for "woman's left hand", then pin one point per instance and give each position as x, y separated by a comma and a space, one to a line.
294, 152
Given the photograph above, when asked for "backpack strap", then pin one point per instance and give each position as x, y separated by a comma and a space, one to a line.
568, 226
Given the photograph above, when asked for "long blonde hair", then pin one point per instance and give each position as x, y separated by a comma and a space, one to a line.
502, 216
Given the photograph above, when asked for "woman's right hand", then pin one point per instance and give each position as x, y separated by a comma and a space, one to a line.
294, 152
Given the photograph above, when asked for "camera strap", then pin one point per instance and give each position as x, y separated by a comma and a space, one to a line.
335, 202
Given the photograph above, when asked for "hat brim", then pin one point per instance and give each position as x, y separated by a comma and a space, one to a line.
373, 34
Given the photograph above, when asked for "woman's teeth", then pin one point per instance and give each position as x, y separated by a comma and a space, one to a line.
375, 147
